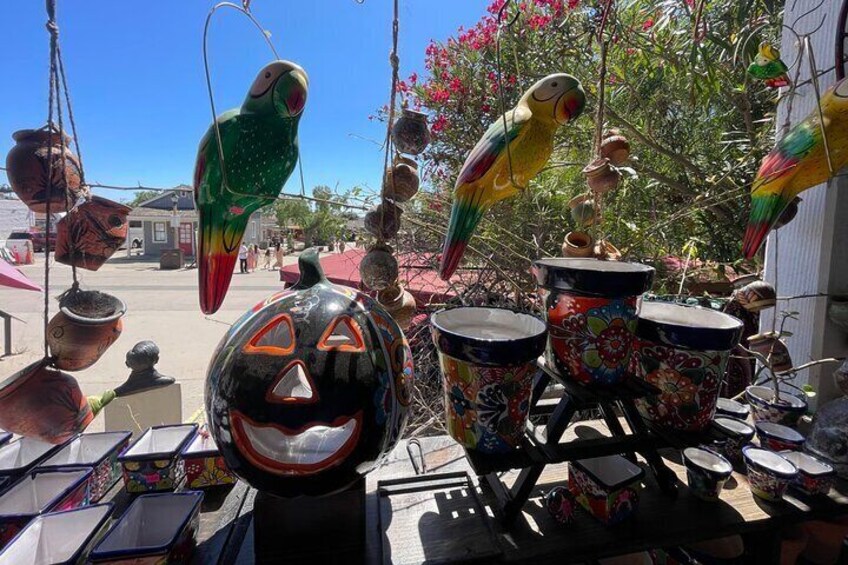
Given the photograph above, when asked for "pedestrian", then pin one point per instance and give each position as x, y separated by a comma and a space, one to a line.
242, 258
279, 256
251, 258
268, 257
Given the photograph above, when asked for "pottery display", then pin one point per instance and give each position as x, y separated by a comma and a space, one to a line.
43, 403
98, 451
814, 476
309, 390
601, 176
706, 472
19, 456
607, 487
401, 182
379, 268
582, 210
204, 465
828, 437
87, 324
561, 505
58, 538
488, 360
755, 296
40, 492
399, 303
764, 408
729, 407
778, 438
591, 309
735, 434
383, 221
615, 147
410, 133
683, 351
156, 528
578, 244
769, 474
28, 167
91, 232
769, 346
151, 463
837, 311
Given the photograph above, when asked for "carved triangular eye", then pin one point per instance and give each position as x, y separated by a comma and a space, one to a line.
275, 338
344, 335
293, 386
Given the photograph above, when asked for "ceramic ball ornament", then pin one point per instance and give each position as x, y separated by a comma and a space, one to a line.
309, 389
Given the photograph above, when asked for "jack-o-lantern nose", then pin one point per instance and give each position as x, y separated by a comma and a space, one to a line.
343, 335
293, 386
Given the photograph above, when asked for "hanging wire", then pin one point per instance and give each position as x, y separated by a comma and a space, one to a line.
394, 61
499, 76
53, 28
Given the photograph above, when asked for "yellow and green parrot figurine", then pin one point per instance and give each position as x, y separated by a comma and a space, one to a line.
259, 143
768, 67
485, 177
797, 163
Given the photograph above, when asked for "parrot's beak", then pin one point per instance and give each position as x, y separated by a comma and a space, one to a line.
569, 105
218, 251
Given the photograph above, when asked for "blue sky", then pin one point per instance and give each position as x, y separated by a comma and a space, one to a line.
136, 78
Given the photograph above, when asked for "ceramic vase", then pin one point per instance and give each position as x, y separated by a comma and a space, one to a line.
28, 167
582, 210
591, 309
769, 346
379, 268
43, 403
615, 147
601, 176
764, 408
383, 221
410, 133
401, 182
683, 352
578, 244
87, 324
488, 361
91, 232
399, 303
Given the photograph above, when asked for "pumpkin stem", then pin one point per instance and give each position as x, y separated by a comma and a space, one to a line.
311, 272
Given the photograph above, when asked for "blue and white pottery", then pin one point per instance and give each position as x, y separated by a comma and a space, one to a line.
814, 475
764, 409
58, 538
5, 437
729, 407
606, 487
779, 438
735, 433
152, 462
19, 456
706, 472
156, 528
99, 451
769, 473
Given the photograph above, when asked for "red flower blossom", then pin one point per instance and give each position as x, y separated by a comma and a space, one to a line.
439, 124
486, 108
648, 24
413, 78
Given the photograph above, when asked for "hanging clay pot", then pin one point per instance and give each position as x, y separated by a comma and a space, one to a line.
788, 213
399, 303
606, 251
582, 210
91, 232
601, 176
27, 168
769, 345
410, 133
401, 182
755, 296
379, 268
615, 147
383, 221
87, 323
578, 244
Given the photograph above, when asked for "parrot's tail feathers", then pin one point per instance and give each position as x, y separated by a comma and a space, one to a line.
765, 211
464, 218
218, 251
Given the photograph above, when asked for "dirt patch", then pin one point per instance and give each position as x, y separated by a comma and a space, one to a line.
92, 304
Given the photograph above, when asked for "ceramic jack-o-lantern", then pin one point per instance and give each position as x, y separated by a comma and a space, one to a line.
398, 302
401, 182
91, 232
582, 210
383, 222
410, 133
87, 324
578, 244
379, 268
601, 176
309, 389
615, 147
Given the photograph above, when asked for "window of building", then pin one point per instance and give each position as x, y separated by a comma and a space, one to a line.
160, 232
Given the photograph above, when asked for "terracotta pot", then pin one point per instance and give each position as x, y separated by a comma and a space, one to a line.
91, 232
399, 303
379, 268
582, 210
87, 323
401, 182
615, 147
27, 168
837, 311
606, 251
601, 176
383, 222
43, 403
410, 133
578, 244
756, 296
769, 345
788, 213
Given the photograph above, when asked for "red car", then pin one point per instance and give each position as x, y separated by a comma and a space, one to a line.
38, 240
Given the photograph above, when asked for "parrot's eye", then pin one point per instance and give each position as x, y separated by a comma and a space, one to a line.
554, 84
268, 74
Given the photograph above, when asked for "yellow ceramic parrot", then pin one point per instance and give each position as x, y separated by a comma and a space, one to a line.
797, 163
485, 176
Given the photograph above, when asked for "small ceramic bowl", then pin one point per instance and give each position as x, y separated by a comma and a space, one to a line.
779, 438
764, 409
19, 456
561, 505
152, 463
728, 407
769, 473
736, 435
706, 472
204, 465
814, 475
607, 487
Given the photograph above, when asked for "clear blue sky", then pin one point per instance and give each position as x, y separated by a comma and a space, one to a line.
136, 78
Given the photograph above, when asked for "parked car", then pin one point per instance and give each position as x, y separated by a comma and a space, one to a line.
38, 240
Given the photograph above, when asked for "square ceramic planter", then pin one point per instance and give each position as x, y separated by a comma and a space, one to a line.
98, 451
156, 528
19, 456
152, 462
58, 538
38, 493
607, 487
204, 465
814, 476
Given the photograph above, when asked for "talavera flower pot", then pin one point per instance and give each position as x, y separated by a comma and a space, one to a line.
91, 232
591, 308
606, 487
19, 456
764, 408
88, 322
152, 463
683, 351
204, 465
488, 362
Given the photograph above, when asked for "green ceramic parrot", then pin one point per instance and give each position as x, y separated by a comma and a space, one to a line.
259, 142
768, 67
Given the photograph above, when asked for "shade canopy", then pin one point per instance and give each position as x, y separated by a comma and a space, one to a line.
11, 277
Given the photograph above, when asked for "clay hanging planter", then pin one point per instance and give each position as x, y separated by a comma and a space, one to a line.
379, 268
582, 210
601, 176
755, 296
615, 147
578, 244
410, 133
383, 222
769, 344
27, 168
90, 233
401, 182
87, 323
606, 251
399, 303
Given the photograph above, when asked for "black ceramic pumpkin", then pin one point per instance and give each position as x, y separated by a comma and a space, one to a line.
310, 388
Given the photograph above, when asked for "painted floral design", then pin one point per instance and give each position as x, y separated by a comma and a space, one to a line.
608, 507
675, 389
766, 485
560, 505
208, 472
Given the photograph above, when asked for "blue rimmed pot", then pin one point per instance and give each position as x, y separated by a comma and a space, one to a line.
591, 308
606, 487
204, 465
814, 475
735, 435
706, 472
732, 408
765, 408
156, 528
778, 437
488, 362
769, 473
19, 456
152, 462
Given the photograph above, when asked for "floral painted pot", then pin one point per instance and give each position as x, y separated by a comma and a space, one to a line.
769, 473
764, 408
591, 309
814, 475
204, 465
735, 434
706, 472
561, 505
683, 351
606, 487
87, 324
90, 233
488, 362
152, 463
729, 407
778, 437
410, 133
